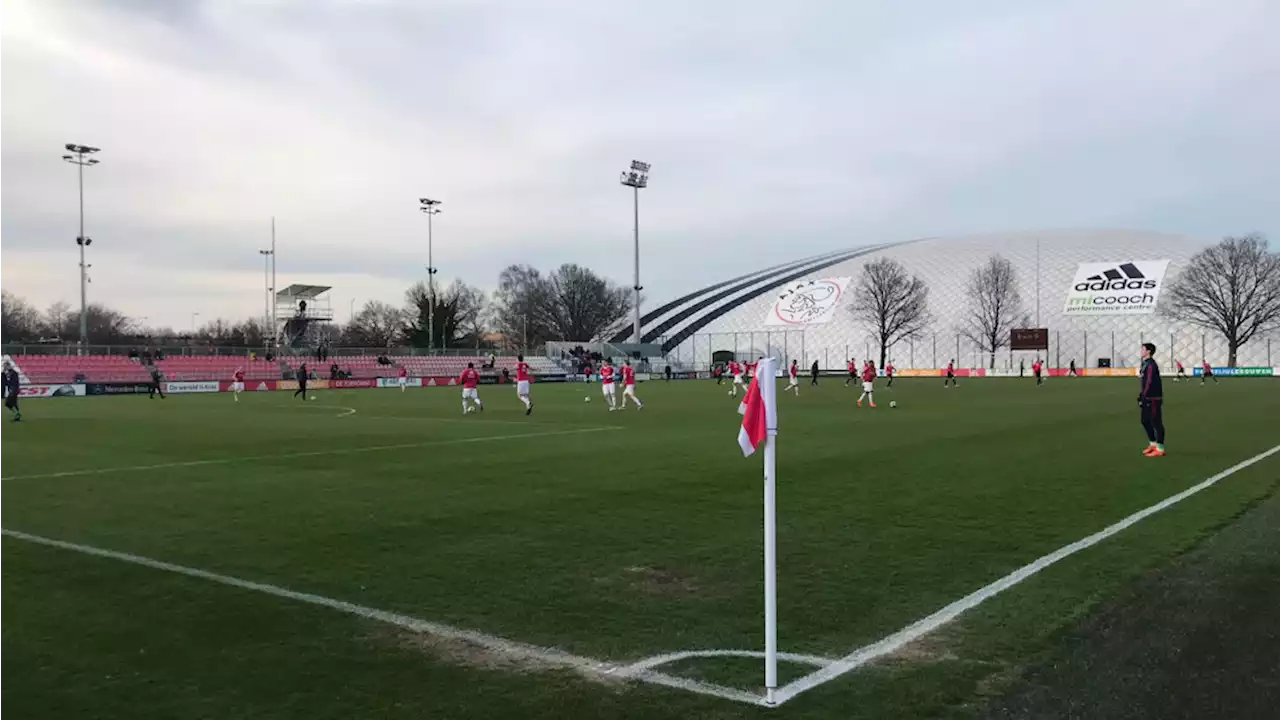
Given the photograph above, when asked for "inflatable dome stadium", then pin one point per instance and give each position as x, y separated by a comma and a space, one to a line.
1097, 292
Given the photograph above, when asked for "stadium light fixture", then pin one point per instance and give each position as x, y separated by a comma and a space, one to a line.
81, 157
636, 178
431, 208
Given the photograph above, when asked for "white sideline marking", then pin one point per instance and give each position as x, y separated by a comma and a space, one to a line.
659, 660
509, 648
924, 626
313, 453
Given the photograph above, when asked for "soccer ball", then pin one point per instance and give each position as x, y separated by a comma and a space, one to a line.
586, 399
893, 403
313, 397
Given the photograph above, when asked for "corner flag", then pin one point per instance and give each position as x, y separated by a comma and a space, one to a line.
759, 410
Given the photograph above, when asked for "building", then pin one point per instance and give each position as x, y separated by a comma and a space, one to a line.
732, 317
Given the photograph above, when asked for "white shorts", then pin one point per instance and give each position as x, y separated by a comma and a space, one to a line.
470, 393
522, 387
404, 381
795, 380
609, 389
737, 379
237, 387
868, 386
629, 390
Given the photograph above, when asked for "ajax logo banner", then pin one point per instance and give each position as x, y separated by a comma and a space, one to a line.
1129, 287
808, 302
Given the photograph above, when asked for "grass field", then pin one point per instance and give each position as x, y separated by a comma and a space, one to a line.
612, 536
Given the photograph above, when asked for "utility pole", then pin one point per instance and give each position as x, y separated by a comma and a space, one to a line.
431, 208
78, 156
636, 178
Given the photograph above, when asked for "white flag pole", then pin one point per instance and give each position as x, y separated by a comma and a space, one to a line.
768, 394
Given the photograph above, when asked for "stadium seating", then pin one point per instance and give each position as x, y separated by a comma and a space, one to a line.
216, 367
94, 368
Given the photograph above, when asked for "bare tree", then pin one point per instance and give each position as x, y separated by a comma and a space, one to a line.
583, 305
1233, 288
521, 304
893, 304
378, 324
994, 303
456, 312
22, 322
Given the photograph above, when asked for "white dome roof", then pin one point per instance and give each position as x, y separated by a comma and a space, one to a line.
731, 315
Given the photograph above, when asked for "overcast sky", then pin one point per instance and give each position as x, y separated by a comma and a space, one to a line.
775, 130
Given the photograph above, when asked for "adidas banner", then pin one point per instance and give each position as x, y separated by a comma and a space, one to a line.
1129, 287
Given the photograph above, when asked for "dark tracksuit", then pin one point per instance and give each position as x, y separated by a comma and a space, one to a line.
155, 385
302, 382
1151, 400
12, 385
814, 371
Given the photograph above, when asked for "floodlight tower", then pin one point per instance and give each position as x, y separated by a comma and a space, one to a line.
431, 208
79, 156
266, 289
636, 178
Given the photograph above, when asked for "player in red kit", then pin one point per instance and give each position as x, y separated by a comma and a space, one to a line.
951, 374
237, 383
404, 377
606, 385
1182, 372
852, 366
1036, 368
522, 384
735, 369
469, 379
868, 384
1206, 373
793, 377
629, 385
888, 372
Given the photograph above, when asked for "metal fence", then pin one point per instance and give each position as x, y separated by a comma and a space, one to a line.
193, 350
1086, 348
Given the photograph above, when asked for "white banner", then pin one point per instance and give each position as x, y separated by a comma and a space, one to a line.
1130, 287
203, 386
385, 382
808, 302
55, 390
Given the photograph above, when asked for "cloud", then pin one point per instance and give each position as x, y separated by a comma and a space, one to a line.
774, 132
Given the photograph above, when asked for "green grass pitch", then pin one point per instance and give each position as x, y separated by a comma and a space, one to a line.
614, 536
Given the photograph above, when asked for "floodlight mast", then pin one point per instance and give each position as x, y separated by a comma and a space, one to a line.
79, 156
430, 208
636, 178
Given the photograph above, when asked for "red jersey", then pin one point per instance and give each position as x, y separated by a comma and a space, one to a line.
239, 376
734, 368
469, 378
795, 371
852, 367
869, 373
1206, 367
522, 371
1035, 366
951, 367
628, 375
1179, 365
404, 372
751, 369
606, 374
888, 369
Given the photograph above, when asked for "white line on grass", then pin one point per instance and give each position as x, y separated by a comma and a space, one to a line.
493, 643
312, 453
924, 626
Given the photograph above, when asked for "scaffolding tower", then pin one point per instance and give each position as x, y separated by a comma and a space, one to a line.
302, 313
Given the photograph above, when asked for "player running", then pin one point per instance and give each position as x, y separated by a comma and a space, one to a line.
606, 385
951, 374
629, 385
469, 379
1206, 373
1151, 401
157, 378
793, 375
868, 384
237, 383
522, 384
403, 377
735, 369
1182, 372
302, 382
852, 367
1071, 371
888, 372
11, 381
1036, 368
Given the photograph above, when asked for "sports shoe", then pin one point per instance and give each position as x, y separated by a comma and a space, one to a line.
1147, 450
1157, 452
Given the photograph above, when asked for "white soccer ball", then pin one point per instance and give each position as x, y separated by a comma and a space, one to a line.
313, 397
586, 399
893, 403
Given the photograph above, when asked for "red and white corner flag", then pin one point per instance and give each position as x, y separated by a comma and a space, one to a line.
759, 411
759, 408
